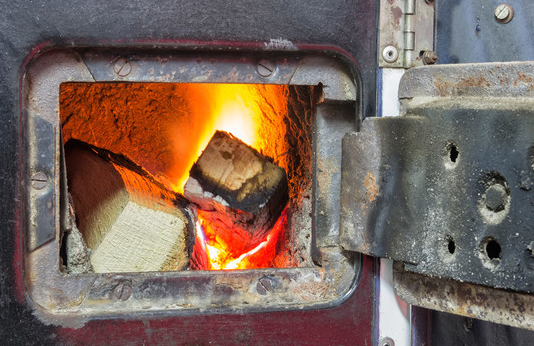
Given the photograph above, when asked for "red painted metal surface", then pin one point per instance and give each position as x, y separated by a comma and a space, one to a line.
348, 324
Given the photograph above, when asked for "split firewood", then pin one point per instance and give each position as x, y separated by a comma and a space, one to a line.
239, 190
129, 221
77, 254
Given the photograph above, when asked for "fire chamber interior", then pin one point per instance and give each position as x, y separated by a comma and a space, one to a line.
129, 150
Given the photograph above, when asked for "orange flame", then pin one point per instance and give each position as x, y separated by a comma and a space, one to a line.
239, 109
234, 108
164, 127
221, 256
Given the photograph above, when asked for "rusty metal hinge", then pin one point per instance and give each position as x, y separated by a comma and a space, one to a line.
406, 33
448, 187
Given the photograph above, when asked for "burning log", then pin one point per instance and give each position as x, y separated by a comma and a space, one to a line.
238, 190
129, 221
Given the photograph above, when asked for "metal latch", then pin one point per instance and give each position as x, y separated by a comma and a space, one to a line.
406, 36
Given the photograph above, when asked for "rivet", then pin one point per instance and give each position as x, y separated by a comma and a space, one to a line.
496, 197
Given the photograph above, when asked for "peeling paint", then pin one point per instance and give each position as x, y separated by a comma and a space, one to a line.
279, 44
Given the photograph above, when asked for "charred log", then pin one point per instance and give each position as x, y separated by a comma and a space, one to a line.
240, 191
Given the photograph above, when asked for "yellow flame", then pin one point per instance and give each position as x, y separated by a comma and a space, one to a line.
214, 255
228, 107
235, 117
217, 256
238, 262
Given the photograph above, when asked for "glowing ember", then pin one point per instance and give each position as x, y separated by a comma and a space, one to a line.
236, 109
222, 256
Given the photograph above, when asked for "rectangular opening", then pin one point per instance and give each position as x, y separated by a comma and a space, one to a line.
111, 153
136, 205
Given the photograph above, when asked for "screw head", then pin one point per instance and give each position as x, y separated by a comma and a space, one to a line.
264, 285
504, 13
386, 342
122, 291
390, 54
122, 67
265, 68
39, 180
429, 57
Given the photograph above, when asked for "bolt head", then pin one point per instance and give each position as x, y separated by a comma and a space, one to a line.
260, 289
504, 13
430, 57
266, 282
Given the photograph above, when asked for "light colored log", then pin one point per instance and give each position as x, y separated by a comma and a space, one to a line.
129, 221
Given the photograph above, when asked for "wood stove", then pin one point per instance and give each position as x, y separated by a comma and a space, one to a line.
259, 31
117, 136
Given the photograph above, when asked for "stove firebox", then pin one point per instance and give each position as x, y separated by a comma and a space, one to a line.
118, 135
130, 148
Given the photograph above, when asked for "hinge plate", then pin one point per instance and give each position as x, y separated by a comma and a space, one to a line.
406, 32
448, 187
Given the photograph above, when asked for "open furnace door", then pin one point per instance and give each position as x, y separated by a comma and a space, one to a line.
447, 190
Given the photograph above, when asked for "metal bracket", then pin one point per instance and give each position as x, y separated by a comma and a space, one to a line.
448, 187
406, 33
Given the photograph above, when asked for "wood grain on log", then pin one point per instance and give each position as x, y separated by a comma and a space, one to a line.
130, 223
238, 189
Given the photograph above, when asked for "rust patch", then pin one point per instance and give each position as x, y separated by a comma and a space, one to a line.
396, 12
446, 88
370, 185
521, 77
504, 80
